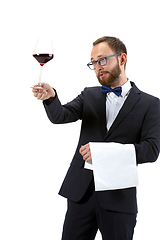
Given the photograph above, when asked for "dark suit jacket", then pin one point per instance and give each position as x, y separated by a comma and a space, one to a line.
138, 123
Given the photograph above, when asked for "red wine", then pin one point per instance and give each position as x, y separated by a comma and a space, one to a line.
43, 58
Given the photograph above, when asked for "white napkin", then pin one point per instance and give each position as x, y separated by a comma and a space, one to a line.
114, 165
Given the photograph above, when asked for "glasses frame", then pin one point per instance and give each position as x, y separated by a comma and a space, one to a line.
98, 61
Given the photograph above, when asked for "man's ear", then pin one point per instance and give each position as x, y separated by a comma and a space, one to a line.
123, 59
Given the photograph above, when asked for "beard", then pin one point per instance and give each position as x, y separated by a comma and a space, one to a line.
111, 77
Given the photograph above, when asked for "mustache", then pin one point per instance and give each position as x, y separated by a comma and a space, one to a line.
102, 72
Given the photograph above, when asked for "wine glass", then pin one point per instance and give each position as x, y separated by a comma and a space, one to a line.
43, 53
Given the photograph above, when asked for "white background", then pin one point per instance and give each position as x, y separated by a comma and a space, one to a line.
36, 154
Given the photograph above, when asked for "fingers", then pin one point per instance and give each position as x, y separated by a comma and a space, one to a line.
43, 94
86, 152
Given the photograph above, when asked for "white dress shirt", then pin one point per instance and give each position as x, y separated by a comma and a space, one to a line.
114, 103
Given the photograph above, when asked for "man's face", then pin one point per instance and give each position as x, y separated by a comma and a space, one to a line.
109, 74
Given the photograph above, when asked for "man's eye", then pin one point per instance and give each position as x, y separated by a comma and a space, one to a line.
102, 59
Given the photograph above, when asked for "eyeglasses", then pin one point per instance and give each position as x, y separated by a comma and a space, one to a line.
101, 61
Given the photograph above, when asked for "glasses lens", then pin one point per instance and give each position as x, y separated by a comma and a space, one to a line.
102, 61
91, 66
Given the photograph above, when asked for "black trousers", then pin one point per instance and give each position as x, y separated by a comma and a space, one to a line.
83, 219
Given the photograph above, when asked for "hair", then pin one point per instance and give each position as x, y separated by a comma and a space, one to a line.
114, 43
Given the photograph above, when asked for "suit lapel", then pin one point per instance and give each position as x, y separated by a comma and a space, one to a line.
132, 99
101, 109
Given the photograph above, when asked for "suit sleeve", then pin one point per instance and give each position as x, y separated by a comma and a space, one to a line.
149, 147
70, 112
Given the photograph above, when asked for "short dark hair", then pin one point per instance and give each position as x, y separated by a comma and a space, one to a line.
115, 44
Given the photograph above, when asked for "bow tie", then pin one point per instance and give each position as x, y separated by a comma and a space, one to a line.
117, 90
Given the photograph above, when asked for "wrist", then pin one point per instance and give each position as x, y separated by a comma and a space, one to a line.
53, 94
51, 99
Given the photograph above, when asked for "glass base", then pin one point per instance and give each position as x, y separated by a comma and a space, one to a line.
38, 88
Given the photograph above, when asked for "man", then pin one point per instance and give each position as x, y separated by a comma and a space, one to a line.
126, 116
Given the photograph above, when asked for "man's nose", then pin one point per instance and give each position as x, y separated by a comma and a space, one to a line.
98, 67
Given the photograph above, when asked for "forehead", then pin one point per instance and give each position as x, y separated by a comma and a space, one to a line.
100, 50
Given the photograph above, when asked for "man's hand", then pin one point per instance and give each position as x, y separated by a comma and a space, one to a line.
86, 152
42, 94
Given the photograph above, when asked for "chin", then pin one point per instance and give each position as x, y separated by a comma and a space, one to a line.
104, 82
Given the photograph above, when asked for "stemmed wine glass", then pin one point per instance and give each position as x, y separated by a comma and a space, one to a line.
43, 53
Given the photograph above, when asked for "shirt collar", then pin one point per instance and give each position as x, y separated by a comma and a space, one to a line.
126, 88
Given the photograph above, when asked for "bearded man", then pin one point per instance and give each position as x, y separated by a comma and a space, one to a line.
116, 112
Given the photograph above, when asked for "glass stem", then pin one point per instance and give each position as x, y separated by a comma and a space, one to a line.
40, 75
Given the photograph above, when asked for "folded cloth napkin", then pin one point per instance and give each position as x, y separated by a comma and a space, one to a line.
114, 165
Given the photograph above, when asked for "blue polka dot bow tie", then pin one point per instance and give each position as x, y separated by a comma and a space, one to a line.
117, 91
